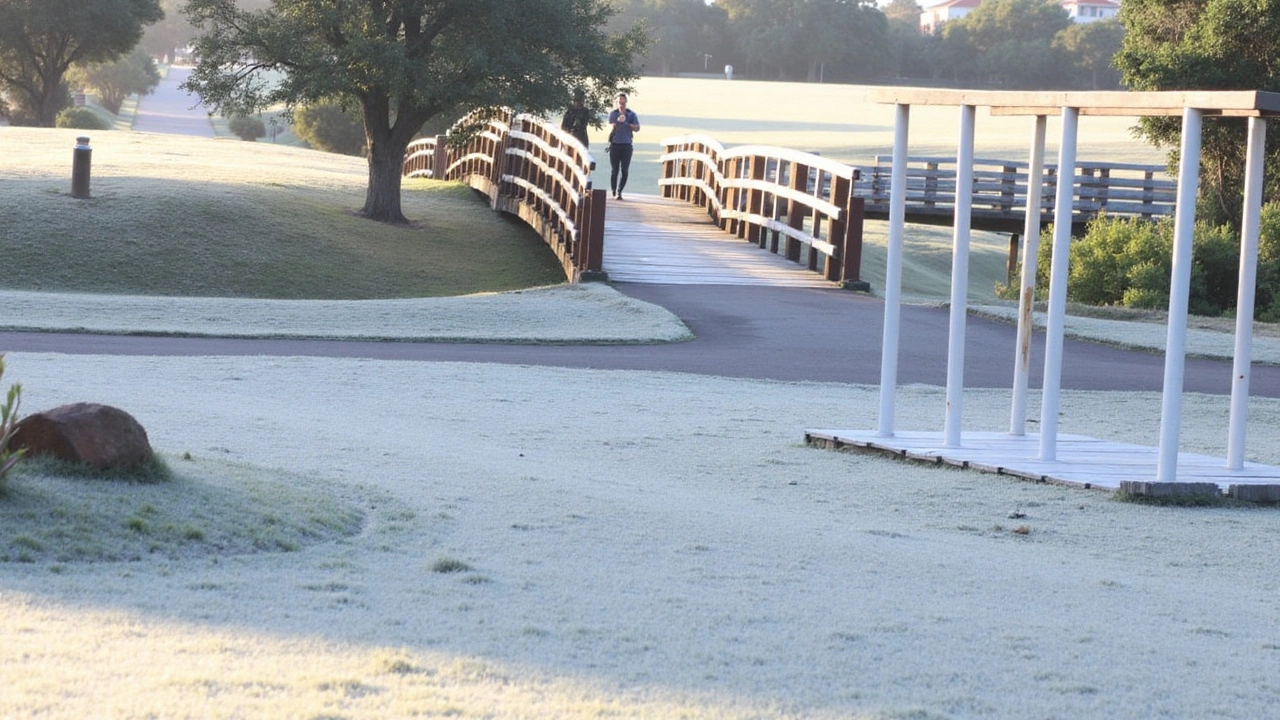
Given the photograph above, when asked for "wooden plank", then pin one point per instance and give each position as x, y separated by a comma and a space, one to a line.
1081, 460
657, 240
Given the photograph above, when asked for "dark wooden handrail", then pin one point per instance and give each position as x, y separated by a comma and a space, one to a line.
533, 170
1000, 190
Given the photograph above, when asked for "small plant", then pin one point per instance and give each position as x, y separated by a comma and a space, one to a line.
8, 426
247, 128
81, 118
449, 565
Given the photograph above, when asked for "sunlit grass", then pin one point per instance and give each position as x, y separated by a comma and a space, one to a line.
49, 516
174, 215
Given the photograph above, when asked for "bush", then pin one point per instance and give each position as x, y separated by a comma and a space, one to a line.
8, 421
247, 128
1129, 262
81, 118
328, 127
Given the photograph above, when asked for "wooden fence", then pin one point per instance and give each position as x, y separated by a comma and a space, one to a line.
999, 197
531, 169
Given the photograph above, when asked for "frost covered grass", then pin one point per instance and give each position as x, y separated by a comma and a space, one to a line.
173, 215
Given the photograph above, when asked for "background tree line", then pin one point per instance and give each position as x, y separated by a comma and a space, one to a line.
1003, 43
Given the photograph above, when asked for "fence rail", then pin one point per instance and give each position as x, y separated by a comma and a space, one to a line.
530, 169
1000, 190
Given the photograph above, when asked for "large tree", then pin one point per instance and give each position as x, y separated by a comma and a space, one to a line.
403, 62
1206, 45
133, 74
41, 39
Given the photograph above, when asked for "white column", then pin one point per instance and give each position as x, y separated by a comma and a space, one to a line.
1027, 290
1175, 350
1241, 364
959, 278
1056, 323
893, 271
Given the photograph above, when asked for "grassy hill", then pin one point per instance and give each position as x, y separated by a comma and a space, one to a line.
174, 215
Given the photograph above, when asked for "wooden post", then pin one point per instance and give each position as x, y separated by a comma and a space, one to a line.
668, 173
1008, 183
851, 255
755, 203
796, 211
1011, 266
590, 260
440, 159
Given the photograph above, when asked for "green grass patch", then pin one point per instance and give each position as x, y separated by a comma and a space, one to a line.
448, 565
191, 217
1181, 501
203, 508
154, 471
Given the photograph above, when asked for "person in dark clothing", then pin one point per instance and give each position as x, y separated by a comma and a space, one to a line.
622, 123
577, 118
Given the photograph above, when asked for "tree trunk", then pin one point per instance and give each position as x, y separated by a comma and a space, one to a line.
382, 196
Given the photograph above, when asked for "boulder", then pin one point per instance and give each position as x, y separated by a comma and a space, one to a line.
98, 435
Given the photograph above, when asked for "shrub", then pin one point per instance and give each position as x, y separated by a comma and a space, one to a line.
326, 126
8, 426
82, 118
1129, 262
247, 128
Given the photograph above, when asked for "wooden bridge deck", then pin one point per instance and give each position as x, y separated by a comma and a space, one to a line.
649, 239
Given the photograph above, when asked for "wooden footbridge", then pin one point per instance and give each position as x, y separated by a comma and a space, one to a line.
809, 211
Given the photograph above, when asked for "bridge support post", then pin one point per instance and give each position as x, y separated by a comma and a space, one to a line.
440, 159
851, 254
590, 260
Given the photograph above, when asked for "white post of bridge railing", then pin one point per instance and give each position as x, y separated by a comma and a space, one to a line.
1027, 291
1055, 325
959, 278
1175, 350
893, 271
1241, 364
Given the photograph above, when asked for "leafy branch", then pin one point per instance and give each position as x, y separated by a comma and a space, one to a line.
8, 426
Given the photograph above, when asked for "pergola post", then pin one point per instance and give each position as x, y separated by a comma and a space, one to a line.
1055, 327
1027, 290
1179, 296
959, 277
1241, 362
893, 271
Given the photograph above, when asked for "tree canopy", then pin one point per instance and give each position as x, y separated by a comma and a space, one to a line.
1206, 45
41, 39
403, 62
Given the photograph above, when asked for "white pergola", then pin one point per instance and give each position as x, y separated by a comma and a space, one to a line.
1089, 462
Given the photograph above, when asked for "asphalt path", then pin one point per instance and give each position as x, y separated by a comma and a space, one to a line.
789, 334
169, 109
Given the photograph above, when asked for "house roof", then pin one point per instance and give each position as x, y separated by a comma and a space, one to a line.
1096, 3
953, 4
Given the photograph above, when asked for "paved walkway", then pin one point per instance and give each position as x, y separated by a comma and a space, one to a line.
171, 110
650, 239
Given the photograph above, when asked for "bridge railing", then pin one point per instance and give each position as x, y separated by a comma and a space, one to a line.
1000, 189
530, 169
792, 203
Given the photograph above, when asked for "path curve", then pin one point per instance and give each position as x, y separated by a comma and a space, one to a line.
169, 109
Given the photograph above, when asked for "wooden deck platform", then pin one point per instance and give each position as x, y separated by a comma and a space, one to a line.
649, 239
1081, 461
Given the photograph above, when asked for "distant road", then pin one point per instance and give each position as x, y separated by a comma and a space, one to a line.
171, 110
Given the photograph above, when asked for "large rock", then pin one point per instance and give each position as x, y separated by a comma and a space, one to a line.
98, 435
